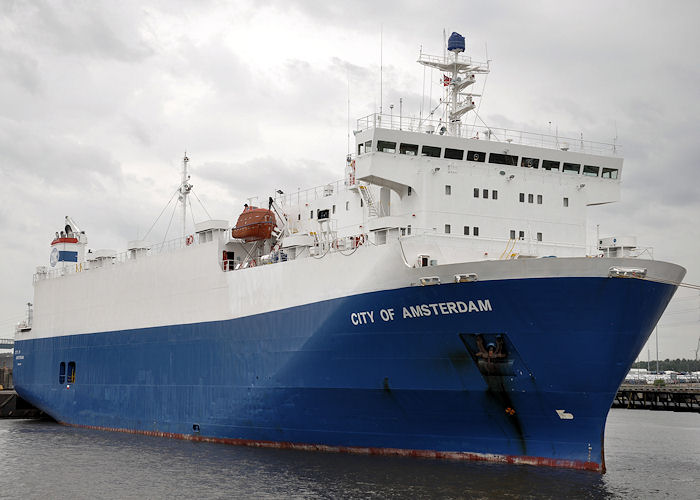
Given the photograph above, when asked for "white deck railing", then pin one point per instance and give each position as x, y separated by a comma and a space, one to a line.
424, 125
311, 194
118, 258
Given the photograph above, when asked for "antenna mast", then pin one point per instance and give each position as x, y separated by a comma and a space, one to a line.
184, 191
381, 66
458, 74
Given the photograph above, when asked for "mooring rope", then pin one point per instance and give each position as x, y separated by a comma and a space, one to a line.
670, 282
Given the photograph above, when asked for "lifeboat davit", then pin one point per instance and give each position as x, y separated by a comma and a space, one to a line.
254, 224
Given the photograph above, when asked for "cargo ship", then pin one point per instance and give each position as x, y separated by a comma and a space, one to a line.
441, 300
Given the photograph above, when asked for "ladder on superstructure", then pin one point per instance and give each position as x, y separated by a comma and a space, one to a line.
368, 199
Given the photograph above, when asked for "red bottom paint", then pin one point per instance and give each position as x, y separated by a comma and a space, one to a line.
445, 455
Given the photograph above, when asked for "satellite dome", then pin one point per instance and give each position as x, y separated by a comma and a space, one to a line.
455, 42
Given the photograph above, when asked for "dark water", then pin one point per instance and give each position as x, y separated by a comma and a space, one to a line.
649, 455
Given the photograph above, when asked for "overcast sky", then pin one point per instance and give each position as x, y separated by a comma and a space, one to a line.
99, 100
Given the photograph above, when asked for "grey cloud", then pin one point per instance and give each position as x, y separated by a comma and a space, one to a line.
95, 29
20, 69
263, 175
139, 130
39, 156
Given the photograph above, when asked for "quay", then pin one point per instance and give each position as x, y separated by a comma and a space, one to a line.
13, 406
678, 397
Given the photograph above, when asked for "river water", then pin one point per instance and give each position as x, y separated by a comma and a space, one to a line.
648, 455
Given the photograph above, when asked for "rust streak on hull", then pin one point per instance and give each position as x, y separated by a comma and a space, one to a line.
432, 454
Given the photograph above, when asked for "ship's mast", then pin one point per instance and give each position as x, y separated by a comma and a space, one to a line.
184, 191
461, 71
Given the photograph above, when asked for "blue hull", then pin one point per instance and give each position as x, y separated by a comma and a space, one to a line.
416, 383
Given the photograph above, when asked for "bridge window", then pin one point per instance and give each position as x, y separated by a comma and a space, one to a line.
386, 147
408, 149
566, 202
448, 229
476, 156
522, 197
71, 372
62, 373
502, 159
539, 236
454, 154
432, 151
572, 168
475, 231
410, 190
485, 193
494, 194
311, 214
466, 230
530, 198
476, 192
539, 199
512, 234
521, 235
591, 170
550, 165
448, 189
333, 208
347, 206
364, 147
529, 162
609, 173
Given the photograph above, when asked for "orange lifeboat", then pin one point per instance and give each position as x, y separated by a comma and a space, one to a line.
254, 224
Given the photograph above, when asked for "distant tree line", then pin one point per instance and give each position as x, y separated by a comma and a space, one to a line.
676, 365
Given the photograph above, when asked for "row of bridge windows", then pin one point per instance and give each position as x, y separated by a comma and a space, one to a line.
495, 158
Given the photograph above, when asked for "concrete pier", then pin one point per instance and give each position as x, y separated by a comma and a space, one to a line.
648, 397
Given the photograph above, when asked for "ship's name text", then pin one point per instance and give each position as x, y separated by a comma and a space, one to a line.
421, 311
